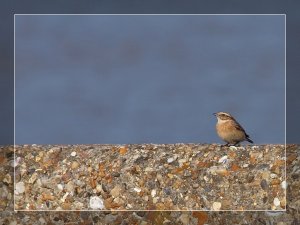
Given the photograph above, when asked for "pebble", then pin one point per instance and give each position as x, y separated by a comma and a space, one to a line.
119, 201
74, 165
281, 223
33, 178
273, 175
167, 191
96, 202
206, 178
13, 222
284, 184
115, 174
109, 219
170, 160
78, 205
215, 170
233, 148
265, 175
20, 188
153, 193
223, 159
63, 199
42, 220
70, 187
60, 187
159, 177
195, 185
187, 173
216, 206
166, 221
115, 192
73, 154
149, 169
99, 188
7, 179
170, 175
141, 213
264, 185
137, 189
181, 161
276, 202
184, 218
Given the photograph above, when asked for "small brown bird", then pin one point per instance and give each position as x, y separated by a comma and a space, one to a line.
229, 130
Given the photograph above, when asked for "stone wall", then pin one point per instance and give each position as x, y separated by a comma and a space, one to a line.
160, 179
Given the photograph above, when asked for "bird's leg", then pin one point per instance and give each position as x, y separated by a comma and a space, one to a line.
225, 145
236, 144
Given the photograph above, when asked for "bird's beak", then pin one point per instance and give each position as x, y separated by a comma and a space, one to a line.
214, 114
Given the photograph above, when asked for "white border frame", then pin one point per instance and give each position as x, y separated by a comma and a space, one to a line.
135, 210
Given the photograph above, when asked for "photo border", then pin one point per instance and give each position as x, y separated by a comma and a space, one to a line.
135, 210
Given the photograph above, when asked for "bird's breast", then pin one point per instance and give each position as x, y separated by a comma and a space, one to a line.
228, 132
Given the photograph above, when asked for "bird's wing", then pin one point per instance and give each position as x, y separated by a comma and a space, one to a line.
239, 127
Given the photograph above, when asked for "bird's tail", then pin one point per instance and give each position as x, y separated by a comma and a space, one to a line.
249, 140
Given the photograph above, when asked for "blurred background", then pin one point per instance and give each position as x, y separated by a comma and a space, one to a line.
147, 79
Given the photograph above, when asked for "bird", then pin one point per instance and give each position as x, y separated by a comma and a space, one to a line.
229, 130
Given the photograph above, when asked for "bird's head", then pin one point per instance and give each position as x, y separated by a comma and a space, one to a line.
222, 116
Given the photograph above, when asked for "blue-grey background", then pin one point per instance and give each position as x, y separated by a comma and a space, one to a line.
142, 79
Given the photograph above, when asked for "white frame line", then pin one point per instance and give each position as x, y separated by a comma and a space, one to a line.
134, 210
14, 161
285, 176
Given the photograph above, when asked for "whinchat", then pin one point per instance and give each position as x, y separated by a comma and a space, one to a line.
229, 130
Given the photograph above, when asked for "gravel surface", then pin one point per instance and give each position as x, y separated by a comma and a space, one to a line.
150, 177
291, 216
